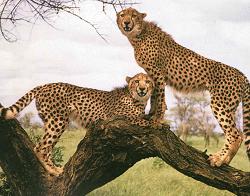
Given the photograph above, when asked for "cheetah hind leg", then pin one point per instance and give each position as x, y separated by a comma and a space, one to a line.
44, 148
45, 161
157, 104
156, 114
228, 151
233, 139
58, 169
226, 154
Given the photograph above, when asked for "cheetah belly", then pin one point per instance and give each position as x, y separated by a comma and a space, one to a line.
185, 85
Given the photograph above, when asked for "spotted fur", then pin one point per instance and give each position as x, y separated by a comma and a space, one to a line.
169, 63
56, 103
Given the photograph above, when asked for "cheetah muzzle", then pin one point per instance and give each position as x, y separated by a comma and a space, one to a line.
142, 92
127, 28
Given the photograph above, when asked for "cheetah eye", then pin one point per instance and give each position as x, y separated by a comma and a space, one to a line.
122, 15
137, 81
147, 81
134, 15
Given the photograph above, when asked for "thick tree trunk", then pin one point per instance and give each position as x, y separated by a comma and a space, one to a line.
107, 151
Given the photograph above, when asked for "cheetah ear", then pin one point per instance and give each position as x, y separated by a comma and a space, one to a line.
143, 15
128, 79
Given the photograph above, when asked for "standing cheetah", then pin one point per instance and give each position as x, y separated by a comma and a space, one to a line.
57, 103
169, 63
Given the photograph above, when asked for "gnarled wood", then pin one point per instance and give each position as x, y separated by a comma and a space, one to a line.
107, 151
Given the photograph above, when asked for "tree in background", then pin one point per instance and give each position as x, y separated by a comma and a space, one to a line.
207, 123
238, 118
209, 133
182, 115
25, 120
192, 115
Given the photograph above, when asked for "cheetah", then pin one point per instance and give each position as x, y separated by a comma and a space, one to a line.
169, 63
57, 103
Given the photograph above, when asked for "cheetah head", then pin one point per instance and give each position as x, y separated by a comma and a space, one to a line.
130, 22
140, 86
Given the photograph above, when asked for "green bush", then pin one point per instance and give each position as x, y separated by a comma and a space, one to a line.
57, 155
34, 137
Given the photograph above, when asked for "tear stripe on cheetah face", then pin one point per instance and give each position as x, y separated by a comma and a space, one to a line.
169, 63
56, 103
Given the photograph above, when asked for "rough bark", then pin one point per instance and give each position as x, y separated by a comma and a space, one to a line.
107, 151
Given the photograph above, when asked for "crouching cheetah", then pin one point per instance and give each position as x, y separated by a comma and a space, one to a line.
57, 102
169, 63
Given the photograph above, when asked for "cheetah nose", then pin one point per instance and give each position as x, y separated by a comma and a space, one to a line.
142, 88
127, 23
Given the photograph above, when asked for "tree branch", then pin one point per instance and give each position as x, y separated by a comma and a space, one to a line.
30, 11
17, 159
107, 151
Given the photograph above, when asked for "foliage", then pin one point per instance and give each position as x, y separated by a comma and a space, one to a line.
57, 155
34, 137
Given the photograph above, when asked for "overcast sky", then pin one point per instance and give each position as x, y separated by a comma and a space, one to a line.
74, 53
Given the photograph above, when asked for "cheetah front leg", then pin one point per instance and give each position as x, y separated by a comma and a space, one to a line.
152, 104
158, 103
233, 138
157, 100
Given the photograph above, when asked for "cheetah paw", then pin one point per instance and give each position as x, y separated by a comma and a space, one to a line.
59, 170
216, 160
55, 171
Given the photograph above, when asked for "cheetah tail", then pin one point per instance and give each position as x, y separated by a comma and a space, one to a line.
246, 117
12, 111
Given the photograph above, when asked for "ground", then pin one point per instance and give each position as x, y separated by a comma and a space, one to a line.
152, 177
